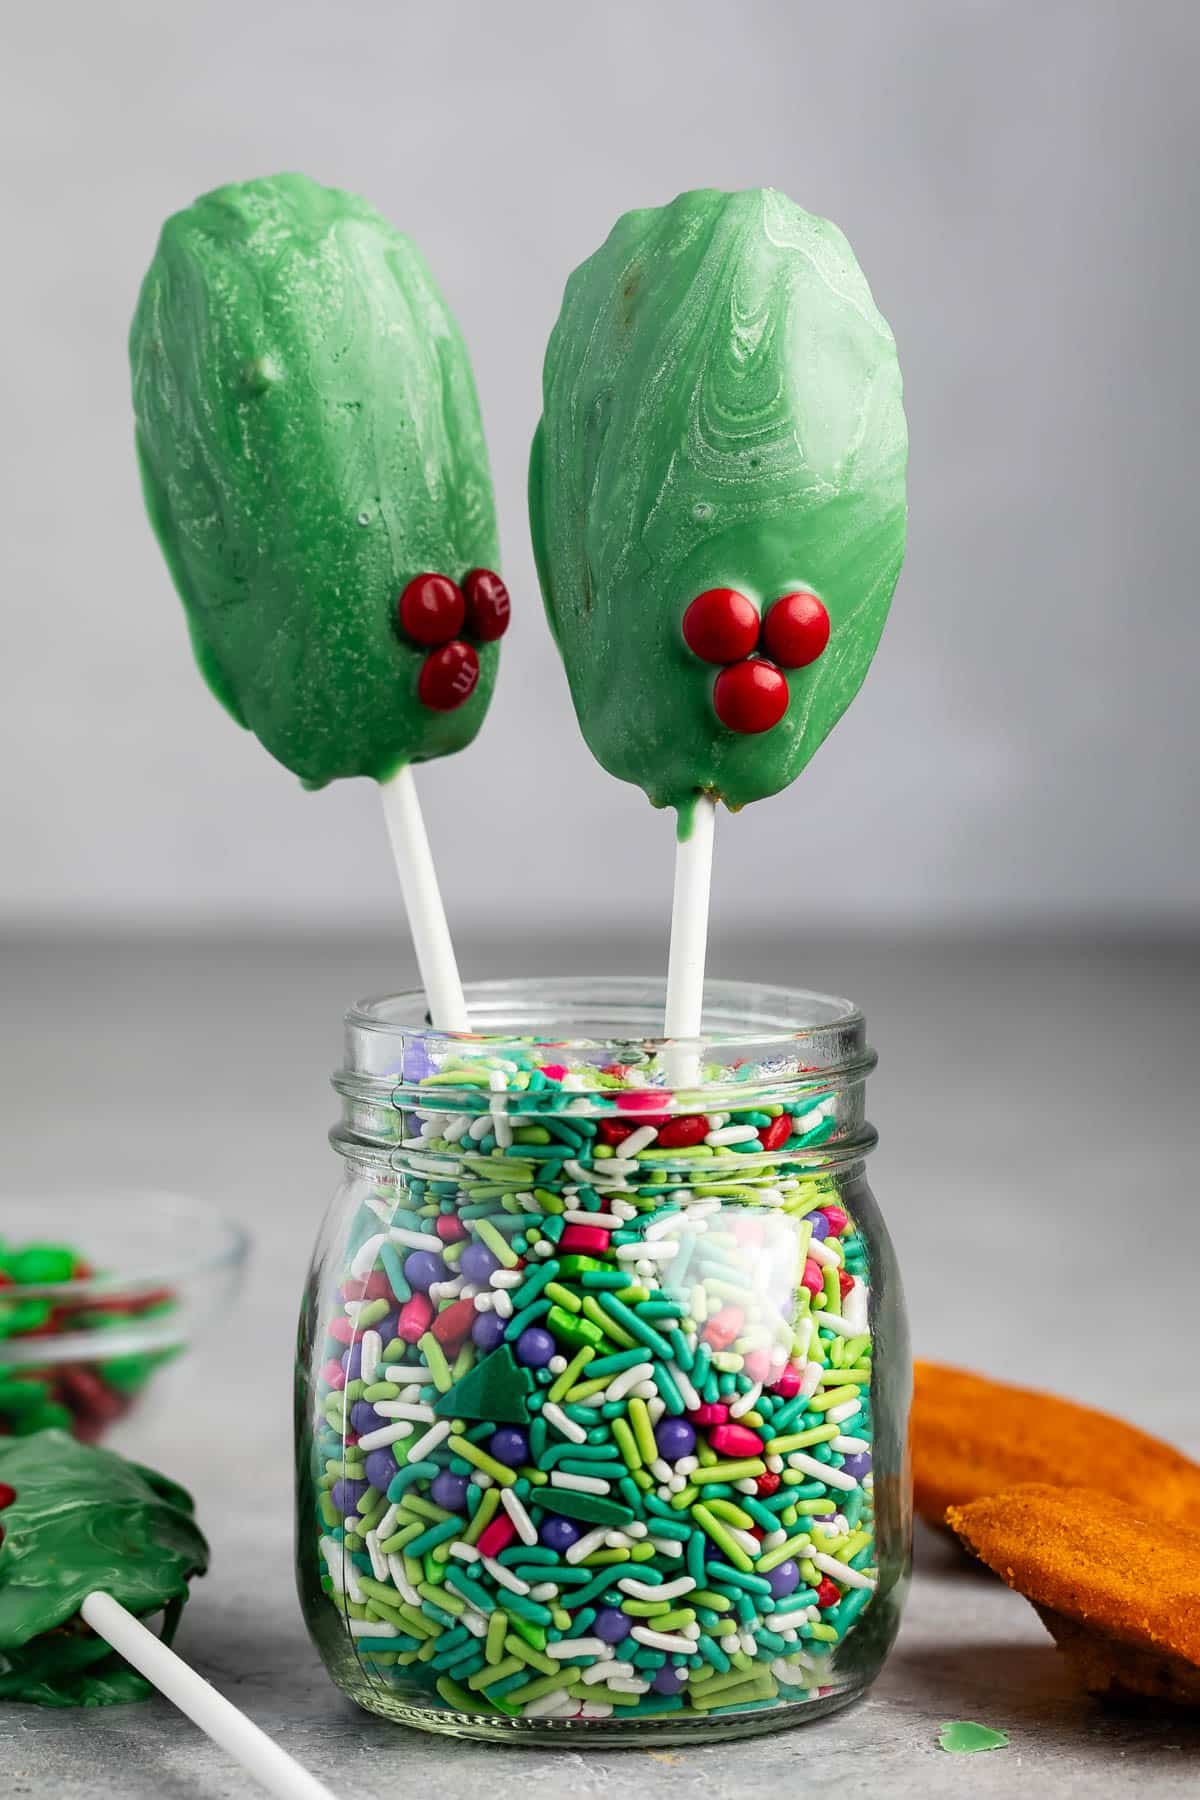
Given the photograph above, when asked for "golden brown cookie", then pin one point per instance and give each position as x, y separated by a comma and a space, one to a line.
972, 1436
1118, 1591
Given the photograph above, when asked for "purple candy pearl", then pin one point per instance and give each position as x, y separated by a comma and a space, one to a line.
857, 1465
423, 1268
535, 1347
559, 1534
352, 1362
611, 1625
417, 1064
509, 1446
347, 1494
675, 1438
381, 1466
487, 1331
478, 1264
386, 1327
364, 1418
820, 1226
784, 1579
449, 1491
667, 1680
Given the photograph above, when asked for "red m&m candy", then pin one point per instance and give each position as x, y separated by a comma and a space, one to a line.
796, 630
721, 625
432, 609
448, 677
750, 696
488, 605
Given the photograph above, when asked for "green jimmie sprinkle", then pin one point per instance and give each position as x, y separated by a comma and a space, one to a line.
605, 1426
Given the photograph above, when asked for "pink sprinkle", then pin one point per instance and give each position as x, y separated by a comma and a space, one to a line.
788, 1383
415, 1317
735, 1440
497, 1536
554, 1071
837, 1219
584, 1240
333, 1375
812, 1277
642, 1100
709, 1414
341, 1329
450, 1229
757, 1365
723, 1327
350, 1439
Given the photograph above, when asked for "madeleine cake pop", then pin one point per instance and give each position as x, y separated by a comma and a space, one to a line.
314, 467
717, 492
74, 1520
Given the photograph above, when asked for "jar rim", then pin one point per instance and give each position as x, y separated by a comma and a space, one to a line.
602, 1011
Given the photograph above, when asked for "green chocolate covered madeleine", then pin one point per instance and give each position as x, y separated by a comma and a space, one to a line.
721, 410
310, 442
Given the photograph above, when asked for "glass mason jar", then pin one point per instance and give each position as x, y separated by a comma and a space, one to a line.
603, 1370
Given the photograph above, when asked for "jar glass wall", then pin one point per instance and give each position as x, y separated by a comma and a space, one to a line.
603, 1370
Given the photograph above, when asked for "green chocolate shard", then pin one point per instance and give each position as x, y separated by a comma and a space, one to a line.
962, 1737
496, 1388
309, 440
85, 1520
593, 1508
721, 408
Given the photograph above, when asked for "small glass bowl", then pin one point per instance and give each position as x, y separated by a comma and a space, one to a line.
97, 1291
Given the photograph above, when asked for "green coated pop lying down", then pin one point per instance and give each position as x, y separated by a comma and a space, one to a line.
314, 467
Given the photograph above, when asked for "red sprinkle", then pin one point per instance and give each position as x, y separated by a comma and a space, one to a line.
497, 1536
453, 1323
416, 1316
845, 1282
448, 677
450, 1229
677, 1134
750, 697
796, 630
584, 1240
721, 625
723, 1327
768, 1484
735, 1440
613, 1131
827, 1593
488, 605
812, 1277
431, 609
776, 1133
7, 1494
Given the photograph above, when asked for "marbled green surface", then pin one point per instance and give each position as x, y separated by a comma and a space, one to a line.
309, 439
721, 409
85, 1520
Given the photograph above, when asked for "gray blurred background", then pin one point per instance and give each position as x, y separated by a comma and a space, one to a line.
1019, 182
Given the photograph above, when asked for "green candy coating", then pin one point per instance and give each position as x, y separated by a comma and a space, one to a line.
721, 408
85, 1520
309, 440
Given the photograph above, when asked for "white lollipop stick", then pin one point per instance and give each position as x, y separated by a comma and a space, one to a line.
689, 933
423, 902
258, 1754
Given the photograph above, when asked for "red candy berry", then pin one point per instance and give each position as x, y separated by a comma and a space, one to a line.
7, 1494
613, 1131
827, 1593
721, 625
432, 609
751, 696
488, 605
448, 677
767, 1484
845, 1282
796, 630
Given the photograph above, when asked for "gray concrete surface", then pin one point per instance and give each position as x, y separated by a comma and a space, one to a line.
1039, 1140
